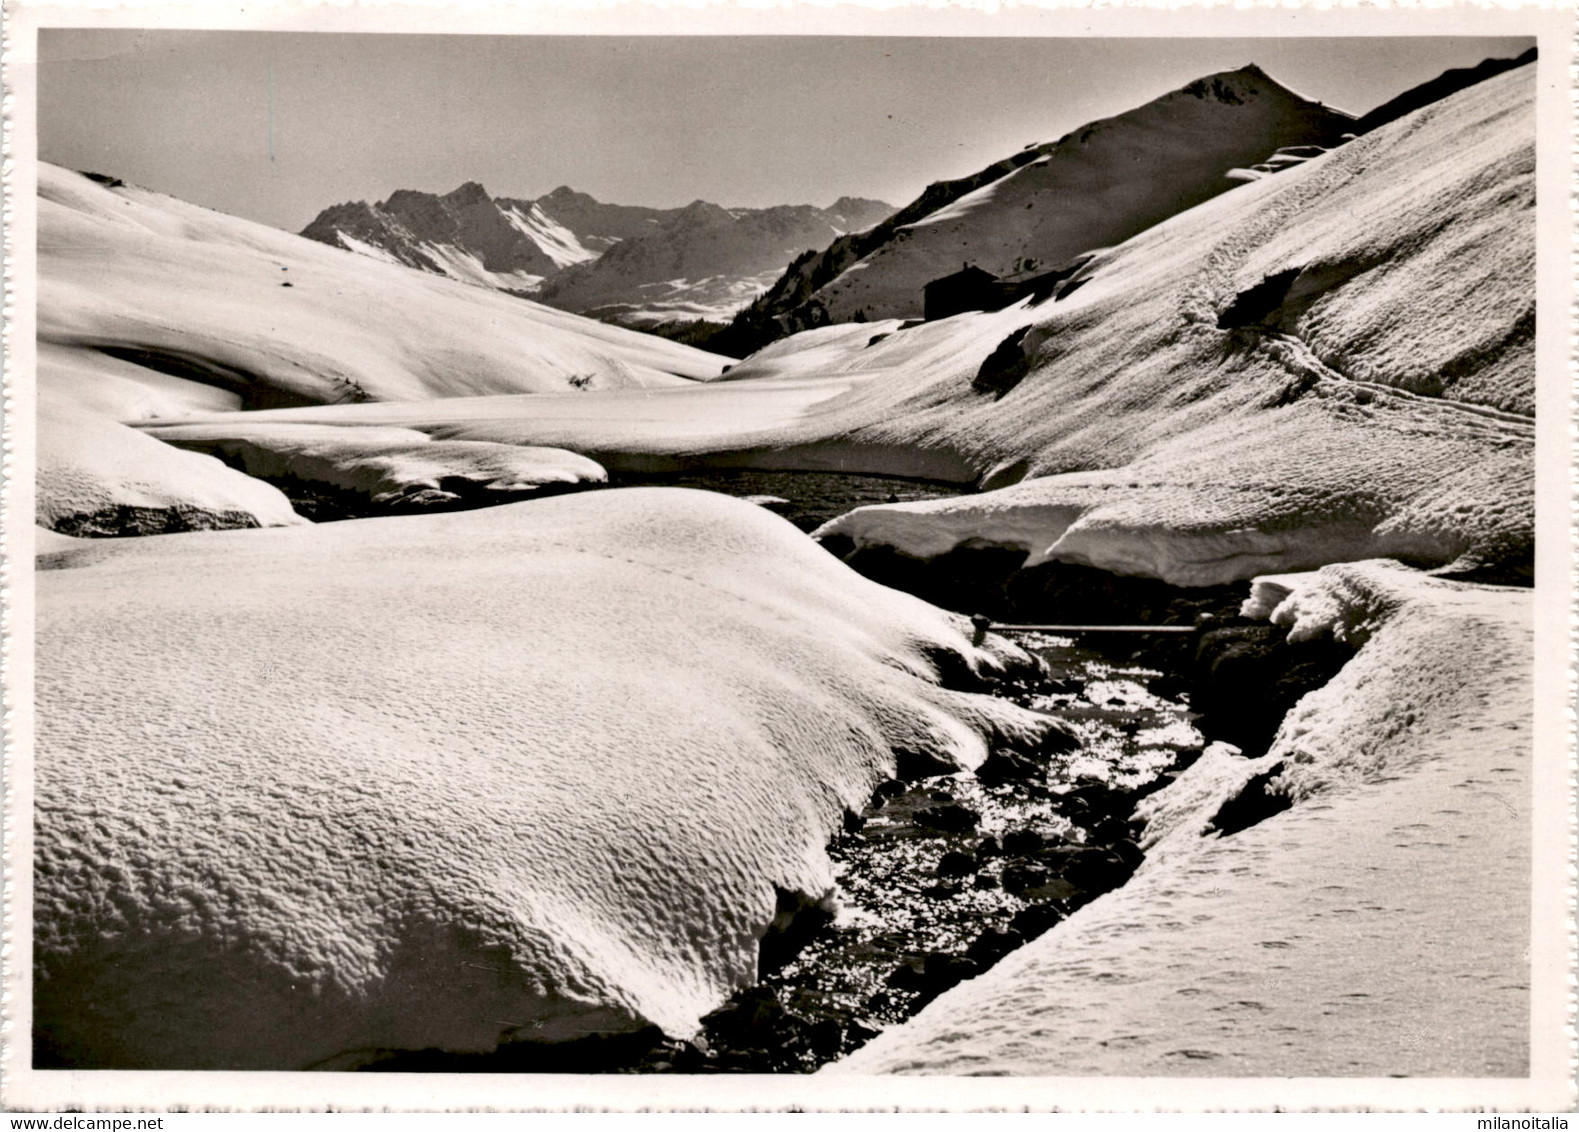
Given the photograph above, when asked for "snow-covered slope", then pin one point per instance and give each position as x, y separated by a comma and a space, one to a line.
521, 773
1433, 90
626, 264
96, 476
1376, 928
1334, 363
1037, 210
173, 302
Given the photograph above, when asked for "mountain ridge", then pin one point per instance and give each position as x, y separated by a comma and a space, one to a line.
698, 260
841, 282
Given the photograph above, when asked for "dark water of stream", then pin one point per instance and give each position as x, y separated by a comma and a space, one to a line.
807, 499
944, 876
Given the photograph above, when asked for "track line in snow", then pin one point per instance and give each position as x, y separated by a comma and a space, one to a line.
1498, 424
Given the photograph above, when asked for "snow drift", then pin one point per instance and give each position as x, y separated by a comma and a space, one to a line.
1376, 928
525, 773
178, 305
98, 477
389, 465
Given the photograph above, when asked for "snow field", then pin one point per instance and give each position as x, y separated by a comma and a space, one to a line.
269, 315
529, 772
1143, 438
1111, 180
1151, 441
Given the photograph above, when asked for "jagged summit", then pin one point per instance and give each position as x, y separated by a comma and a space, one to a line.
849, 204
471, 192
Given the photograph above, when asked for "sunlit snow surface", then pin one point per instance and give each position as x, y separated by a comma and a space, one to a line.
386, 465
1098, 186
98, 471
150, 309
526, 772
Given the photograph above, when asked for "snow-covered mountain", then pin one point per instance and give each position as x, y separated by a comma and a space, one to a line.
1434, 90
704, 262
1330, 363
509, 245
1038, 209
622, 263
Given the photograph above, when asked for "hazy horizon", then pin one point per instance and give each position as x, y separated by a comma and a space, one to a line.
276, 126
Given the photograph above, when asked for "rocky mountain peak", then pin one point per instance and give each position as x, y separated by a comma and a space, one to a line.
350, 211
698, 215
469, 194
1241, 86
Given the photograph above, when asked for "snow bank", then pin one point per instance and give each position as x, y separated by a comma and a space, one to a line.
390, 465
1375, 928
529, 772
1190, 531
741, 424
177, 292
99, 477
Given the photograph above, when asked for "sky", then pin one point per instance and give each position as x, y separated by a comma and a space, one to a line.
276, 126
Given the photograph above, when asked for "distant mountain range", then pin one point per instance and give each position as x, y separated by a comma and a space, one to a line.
623, 263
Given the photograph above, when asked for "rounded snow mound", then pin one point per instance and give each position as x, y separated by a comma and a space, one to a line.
1190, 524
97, 477
525, 773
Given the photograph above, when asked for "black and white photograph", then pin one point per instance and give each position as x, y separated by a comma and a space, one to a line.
790, 567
